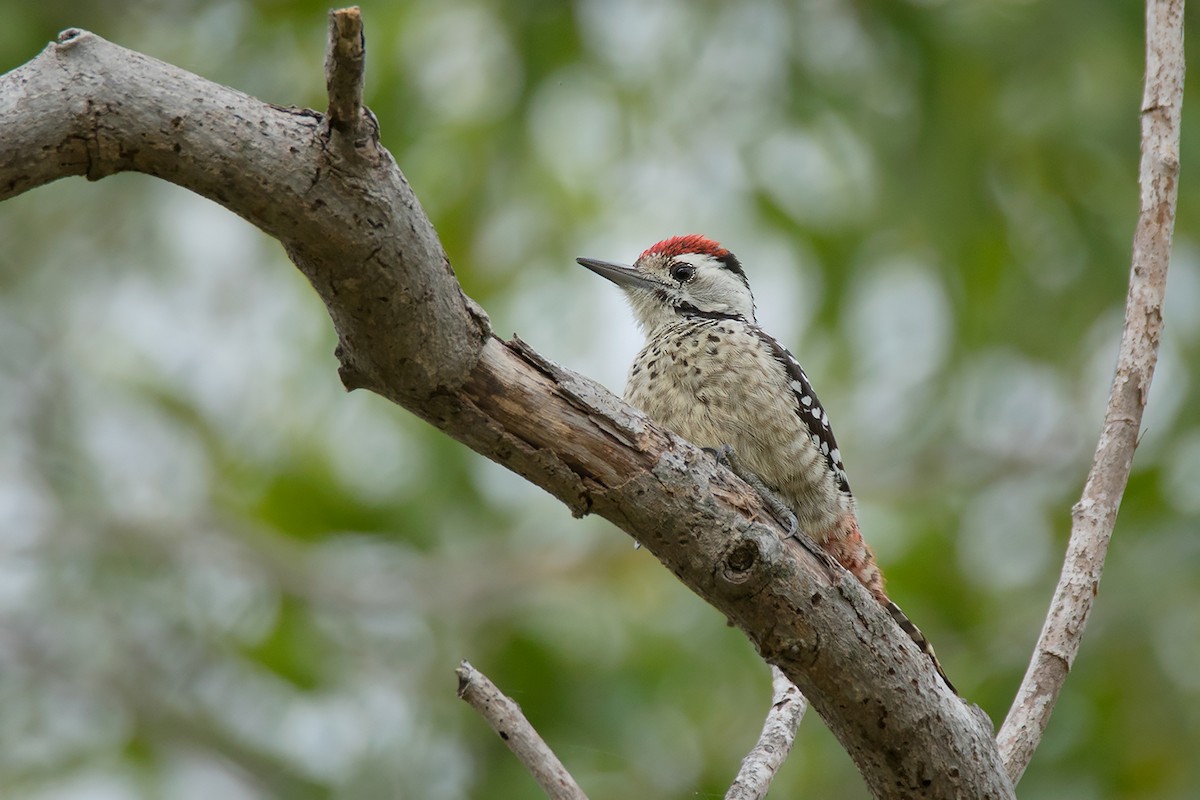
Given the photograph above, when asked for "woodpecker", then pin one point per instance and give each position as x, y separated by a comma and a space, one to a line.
708, 372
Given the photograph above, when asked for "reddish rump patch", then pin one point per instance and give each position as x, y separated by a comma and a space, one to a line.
692, 243
845, 543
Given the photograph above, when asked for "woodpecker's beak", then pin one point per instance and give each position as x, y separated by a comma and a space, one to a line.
621, 275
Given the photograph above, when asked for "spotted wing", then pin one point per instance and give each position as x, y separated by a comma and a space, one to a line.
808, 408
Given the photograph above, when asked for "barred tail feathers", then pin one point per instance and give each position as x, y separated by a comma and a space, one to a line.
918, 638
847, 546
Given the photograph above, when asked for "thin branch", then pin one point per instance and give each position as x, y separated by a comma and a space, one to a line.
345, 65
774, 743
1094, 516
506, 719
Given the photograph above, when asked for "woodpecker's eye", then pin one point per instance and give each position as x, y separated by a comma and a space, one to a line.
682, 272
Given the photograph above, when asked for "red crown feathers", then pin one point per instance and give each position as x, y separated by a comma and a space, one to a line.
692, 243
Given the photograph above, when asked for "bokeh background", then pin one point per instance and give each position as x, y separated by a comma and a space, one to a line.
222, 576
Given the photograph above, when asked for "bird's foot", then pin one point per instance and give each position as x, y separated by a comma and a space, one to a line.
726, 455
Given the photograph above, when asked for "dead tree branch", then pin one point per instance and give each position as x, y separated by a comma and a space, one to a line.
507, 720
345, 66
1094, 516
348, 219
774, 743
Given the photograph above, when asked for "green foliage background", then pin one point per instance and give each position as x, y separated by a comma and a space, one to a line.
220, 576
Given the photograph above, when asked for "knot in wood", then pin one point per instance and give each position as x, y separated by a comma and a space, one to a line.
740, 561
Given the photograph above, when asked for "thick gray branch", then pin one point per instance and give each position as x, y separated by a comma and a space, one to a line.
346, 216
87, 107
1094, 516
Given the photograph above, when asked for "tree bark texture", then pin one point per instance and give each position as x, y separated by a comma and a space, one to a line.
346, 216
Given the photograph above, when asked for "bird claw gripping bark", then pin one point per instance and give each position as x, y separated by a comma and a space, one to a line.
779, 509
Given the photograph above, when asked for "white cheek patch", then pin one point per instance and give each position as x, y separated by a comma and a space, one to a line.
714, 288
